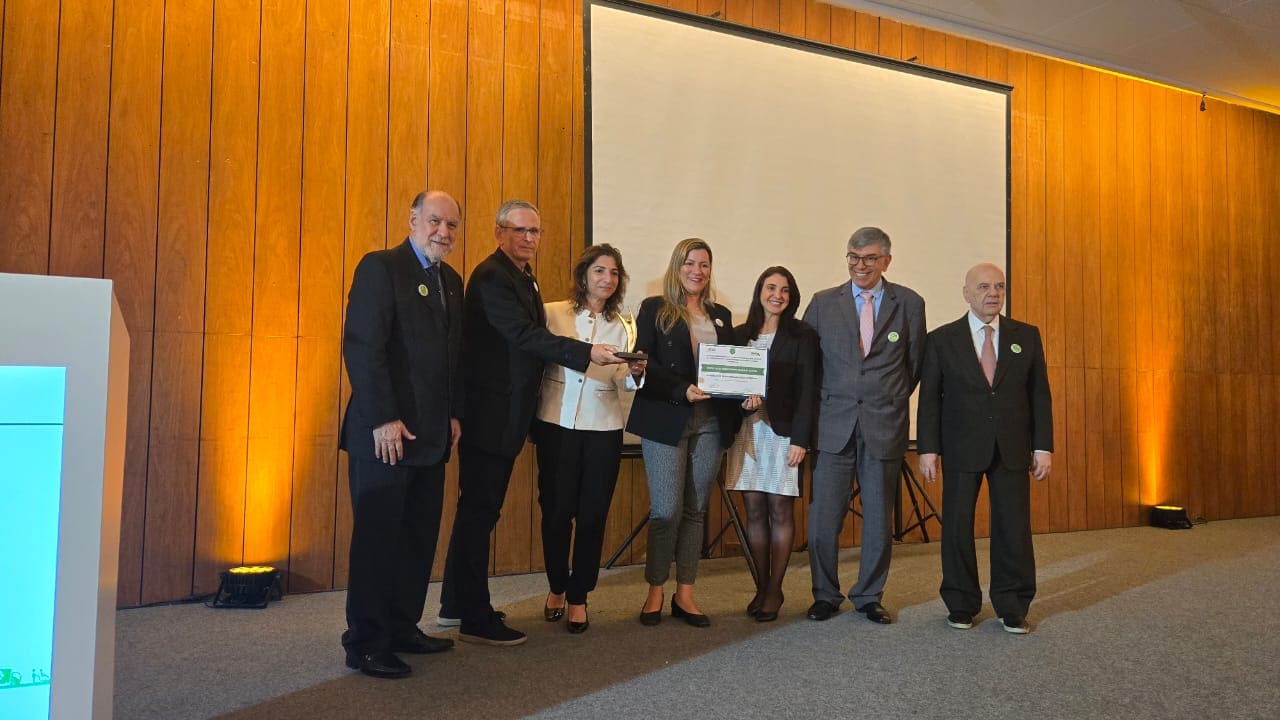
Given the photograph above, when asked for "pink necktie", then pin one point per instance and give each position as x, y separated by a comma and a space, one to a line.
867, 325
989, 355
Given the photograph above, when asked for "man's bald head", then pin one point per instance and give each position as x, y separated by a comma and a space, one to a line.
984, 289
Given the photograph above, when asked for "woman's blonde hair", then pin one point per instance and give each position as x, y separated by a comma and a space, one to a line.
673, 292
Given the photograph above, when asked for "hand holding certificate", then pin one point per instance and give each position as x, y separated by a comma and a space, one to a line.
732, 371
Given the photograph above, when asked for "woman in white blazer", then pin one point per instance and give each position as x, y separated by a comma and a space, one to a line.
578, 432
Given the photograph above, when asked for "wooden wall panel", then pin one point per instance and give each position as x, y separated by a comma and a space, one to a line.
313, 528
447, 92
129, 255
273, 356
172, 465
791, 17
735, 11
817, 21
182, 227
78, 212
766, 14
223, 459
294, 135
409, 114
28, 87
233, 171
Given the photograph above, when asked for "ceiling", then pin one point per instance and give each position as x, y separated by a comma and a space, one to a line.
1229, 49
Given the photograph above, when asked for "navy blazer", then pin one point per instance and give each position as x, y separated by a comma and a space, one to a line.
791, 393
661, 409
401, 349
964, 418
504, 346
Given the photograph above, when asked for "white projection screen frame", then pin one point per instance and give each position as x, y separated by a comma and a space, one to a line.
775, 150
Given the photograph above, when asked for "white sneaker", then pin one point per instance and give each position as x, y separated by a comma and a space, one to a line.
443, 621
1015, 624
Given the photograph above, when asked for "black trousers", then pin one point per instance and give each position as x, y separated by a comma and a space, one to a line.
1013, 562
396, 522
577, 472
482, 487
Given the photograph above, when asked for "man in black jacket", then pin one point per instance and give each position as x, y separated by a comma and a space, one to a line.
401, 344
985, 408
505, 344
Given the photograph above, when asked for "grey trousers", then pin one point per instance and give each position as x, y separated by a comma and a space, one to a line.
832, 488
680, 479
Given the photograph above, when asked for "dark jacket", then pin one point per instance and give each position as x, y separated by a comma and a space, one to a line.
661, 409
791, 395
963, 418
504, 346
402, 355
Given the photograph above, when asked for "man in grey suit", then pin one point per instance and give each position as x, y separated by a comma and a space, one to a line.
985, 408
872, 334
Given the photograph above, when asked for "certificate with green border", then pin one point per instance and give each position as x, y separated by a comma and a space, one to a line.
732, 371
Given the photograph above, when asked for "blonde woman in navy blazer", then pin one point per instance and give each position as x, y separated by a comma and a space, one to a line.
683, 430
578, 432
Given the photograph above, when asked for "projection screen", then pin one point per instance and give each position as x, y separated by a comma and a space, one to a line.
775, 150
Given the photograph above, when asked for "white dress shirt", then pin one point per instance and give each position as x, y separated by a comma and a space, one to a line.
979, 337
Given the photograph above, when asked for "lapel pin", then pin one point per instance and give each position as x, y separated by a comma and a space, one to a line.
423, 291
1016, 348
719, 323
893, 337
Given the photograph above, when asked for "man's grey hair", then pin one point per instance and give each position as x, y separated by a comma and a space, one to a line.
416, 206
867, 236
511, 206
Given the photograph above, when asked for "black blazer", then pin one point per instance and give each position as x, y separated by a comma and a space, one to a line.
964, 418
661, 409
792, 386
402, 350
504, 346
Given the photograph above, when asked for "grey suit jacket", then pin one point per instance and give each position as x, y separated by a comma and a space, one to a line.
872, 392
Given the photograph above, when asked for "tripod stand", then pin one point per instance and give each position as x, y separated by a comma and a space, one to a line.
708, 545
915, 493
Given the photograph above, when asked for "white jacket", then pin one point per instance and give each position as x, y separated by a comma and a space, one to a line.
591, 400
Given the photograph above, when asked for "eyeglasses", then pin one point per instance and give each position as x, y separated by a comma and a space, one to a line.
855, 259
531, 232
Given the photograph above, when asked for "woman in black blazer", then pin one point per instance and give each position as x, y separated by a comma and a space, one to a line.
764, 462
683, 430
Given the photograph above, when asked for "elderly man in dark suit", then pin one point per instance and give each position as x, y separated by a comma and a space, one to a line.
985, 408
872, 333
505, 344
401, 344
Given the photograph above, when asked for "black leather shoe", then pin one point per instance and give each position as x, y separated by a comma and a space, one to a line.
762, 616
551, 614
876, 613
381, 664
421, 644
695, 619
577, 628
960, 620
821, 610
650, 618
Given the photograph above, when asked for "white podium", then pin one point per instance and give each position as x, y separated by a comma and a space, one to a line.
64, 379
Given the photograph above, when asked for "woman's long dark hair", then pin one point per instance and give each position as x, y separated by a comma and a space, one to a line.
787, 322
580, 268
